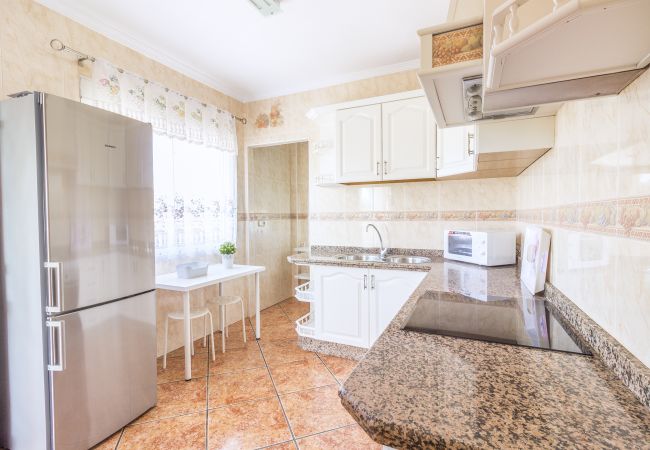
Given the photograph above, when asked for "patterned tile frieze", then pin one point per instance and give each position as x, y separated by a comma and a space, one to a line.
628, 217
243, 217
425, 216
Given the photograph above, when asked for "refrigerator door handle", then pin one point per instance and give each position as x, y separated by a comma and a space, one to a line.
54, 288
56, 332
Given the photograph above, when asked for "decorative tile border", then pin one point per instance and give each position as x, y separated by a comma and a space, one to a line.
627, 217
423, 216
243, 217
632, 372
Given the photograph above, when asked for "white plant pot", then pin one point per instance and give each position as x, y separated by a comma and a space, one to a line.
227, 261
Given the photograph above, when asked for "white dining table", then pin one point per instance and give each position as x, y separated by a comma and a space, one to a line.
217, 274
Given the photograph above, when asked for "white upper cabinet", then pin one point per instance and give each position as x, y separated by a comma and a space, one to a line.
391, 140
408, 140
358, 144
456, 150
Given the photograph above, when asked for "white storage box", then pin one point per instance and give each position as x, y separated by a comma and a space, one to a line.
192, 270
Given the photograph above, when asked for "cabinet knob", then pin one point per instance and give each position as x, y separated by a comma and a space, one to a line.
385, 167
378, 168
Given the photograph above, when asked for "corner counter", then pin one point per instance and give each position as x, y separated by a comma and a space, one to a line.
414, 390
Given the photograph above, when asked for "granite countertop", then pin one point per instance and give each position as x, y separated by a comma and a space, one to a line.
415, 390
327, 256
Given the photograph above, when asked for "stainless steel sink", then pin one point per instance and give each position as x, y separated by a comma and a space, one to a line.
372, 258
400, 259
396, 259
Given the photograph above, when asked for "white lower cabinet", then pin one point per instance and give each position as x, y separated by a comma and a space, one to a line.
341, 308
389, 290
353, 306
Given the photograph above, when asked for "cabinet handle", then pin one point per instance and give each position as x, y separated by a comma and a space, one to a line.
365, 282
372, 281
470, 138
378, 168
385, 167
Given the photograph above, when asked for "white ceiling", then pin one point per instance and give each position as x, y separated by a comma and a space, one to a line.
228, 45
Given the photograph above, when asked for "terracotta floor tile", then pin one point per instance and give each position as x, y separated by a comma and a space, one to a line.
294, 309
176, 398
109, 443
282, 352
315, 410
175, 370
235, 337
198, 348
178, 433
248, 357
340, 367
235, 387
347, 438
272, 316
302, 374
247, 425
279, 331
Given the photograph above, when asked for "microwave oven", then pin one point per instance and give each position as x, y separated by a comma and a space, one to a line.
486, 248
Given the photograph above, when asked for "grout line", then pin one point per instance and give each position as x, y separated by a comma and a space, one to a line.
277, 443
242, 402
325, 431
277, 394
119, 439
328, 369
286, 394
160, 419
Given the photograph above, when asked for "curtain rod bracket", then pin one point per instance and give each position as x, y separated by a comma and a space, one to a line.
59, 46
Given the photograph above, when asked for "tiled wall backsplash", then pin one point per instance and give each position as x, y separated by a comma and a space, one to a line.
592, 192
410, 215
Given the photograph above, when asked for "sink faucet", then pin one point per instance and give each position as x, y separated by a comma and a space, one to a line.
382, 250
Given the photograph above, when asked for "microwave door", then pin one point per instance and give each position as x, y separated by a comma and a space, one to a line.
460, 245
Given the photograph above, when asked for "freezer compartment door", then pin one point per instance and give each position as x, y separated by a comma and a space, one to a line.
102, 364
99, 205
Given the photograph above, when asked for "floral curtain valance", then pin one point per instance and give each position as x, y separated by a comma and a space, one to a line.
169, 112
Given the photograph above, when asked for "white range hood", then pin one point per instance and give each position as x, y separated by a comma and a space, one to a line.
544, 51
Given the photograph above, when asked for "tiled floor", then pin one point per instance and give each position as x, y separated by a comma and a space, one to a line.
262, 394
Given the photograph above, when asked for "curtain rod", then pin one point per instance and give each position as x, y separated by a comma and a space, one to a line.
59, 46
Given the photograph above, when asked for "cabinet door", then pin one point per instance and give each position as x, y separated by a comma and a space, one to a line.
358, 144
456, 150
389, 290
408, 140
342, 305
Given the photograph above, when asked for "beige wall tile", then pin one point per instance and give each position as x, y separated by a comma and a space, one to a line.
602, 151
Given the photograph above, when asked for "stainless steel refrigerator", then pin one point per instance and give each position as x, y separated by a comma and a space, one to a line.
78, 320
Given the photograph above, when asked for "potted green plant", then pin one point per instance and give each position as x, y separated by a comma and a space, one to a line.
227, 250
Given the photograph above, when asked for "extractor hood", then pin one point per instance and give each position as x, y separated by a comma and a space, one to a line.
544, 51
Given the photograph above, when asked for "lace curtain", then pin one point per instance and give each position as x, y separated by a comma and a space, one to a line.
195, 165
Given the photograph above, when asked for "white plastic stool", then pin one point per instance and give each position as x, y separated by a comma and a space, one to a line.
194, 314
222, 302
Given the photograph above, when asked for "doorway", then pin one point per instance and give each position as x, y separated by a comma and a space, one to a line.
278, 205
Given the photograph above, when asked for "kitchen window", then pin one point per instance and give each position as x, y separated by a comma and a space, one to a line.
195, 162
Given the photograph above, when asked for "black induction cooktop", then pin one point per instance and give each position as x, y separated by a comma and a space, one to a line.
529, 321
